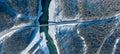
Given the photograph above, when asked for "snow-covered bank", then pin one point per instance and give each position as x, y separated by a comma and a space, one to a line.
43, 44
56, 16
52, 29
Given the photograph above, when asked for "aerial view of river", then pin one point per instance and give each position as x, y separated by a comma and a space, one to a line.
44, 20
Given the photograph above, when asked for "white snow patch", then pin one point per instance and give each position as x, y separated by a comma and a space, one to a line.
117, 40
77, 31
43, 44
85, 46
34, 41
18, 15
52, 29
35, 50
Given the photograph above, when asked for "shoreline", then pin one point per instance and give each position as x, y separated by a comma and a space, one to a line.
44, 20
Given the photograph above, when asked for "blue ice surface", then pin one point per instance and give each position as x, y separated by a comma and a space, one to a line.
2, 0
39, 13
5, 8
87, 23
37, 19
75, 2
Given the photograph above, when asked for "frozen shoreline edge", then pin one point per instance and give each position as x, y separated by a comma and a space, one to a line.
52, 30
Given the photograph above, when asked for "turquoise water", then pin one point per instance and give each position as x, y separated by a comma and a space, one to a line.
44, 20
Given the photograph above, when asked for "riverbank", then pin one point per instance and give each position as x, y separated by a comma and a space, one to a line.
44, 20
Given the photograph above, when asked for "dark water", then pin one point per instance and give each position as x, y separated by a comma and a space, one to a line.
44, 20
